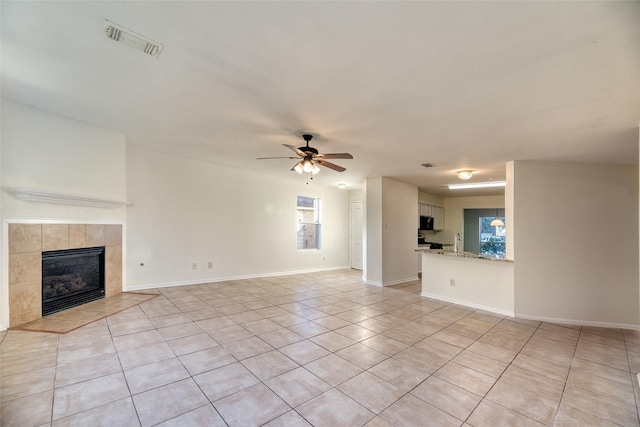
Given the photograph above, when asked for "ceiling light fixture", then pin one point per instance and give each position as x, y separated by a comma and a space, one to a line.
477, 185
465, 174
342, 185
306, 165
120, 34
497, 222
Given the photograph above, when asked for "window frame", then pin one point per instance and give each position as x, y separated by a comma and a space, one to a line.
301, 242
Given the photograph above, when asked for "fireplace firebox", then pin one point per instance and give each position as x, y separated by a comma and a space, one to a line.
71, 277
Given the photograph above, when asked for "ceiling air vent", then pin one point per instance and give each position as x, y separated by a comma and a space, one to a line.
121, 35
427, 165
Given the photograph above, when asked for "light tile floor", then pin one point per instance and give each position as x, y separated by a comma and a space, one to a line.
76, 317
318, 349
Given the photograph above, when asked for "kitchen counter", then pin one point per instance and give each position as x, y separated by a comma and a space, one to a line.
461, 254
467, 278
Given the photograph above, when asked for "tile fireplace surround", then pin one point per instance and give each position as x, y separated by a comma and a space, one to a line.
28, 241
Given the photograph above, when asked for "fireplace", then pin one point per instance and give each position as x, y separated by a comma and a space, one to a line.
72, 277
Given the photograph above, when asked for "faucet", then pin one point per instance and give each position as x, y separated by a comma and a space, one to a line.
456, 243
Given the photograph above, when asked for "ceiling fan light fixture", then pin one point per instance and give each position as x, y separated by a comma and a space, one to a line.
307, 165
465, 174
309, 160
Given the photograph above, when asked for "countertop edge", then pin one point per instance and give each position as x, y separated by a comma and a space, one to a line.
471, 255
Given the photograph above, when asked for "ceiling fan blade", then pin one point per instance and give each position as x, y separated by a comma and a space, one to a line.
297, 151
264, 158
330, 165
335, 156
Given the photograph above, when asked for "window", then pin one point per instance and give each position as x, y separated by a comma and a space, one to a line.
492, 239
308, 209
479, 236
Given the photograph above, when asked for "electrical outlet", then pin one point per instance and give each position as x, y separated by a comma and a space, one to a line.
194, 265
452, 282
209, 264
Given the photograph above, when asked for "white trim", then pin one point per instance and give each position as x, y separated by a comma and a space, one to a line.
395, 282
229, 278
468, 304
29, 195
535, 318
579, 322
4, 277
372, 283
62, 221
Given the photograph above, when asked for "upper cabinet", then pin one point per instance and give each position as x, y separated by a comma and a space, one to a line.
436, 212
438, 217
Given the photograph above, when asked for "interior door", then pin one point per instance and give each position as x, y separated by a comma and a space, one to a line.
356, 235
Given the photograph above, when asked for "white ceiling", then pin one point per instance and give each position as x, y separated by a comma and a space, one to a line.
456, 84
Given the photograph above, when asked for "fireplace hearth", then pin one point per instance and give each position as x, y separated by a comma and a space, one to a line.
72, 277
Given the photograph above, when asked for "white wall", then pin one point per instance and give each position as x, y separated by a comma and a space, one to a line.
4, 263
44, 151
510, 220
399, 231
372, 268
52, 153
478, 283
430, 199
576, 247
391, 233
356, 195
185, 211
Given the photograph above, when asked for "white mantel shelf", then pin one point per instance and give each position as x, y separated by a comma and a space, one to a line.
29, 195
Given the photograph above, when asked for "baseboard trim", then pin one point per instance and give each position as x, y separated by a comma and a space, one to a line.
395, 282
556, 320
572, 322
469, 304
228, 278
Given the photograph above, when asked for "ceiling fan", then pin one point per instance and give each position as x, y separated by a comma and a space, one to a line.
310, 158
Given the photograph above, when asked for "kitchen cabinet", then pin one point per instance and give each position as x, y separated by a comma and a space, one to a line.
436, 212
438, 217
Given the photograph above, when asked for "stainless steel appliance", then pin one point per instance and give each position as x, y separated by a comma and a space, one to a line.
426, 223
